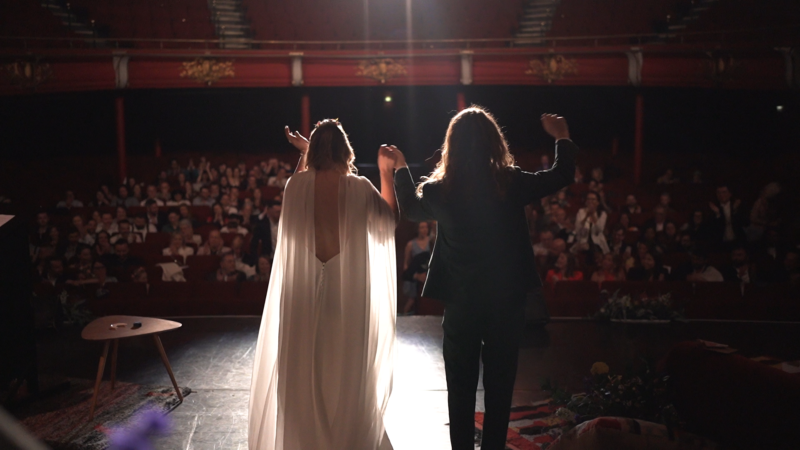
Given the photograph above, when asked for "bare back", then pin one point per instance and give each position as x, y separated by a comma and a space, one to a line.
326, 214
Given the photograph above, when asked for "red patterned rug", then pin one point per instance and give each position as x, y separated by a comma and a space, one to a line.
532, 427
61, 421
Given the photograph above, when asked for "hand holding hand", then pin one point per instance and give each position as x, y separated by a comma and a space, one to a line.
297, 140
555, 126
399, 158
386, 159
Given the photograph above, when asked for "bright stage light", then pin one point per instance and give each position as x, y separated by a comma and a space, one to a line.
388, 99
779, 108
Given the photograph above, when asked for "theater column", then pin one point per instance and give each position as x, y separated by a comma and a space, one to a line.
121, 154
637, 139
305, 115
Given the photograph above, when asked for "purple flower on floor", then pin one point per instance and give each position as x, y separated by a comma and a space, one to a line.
145, 425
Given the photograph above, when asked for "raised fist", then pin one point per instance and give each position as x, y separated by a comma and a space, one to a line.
555, 126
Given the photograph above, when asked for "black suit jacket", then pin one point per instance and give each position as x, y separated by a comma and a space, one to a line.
482, 247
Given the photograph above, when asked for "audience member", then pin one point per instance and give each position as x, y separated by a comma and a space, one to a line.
187, 231
84, 237
142, 228
178, 198
564, 269
121, 262
763, 214
103, 246
648, 269
233, 226
543, 247
204, 199
80, 265
214, 245
740, 268
265, 234
729, 219
177, 247
152, 194
631, 205
227, 270
227, 206
625, 222
101, 200
701, 271
124, 199
71, 247
173, 222
164, 192
41, 233
280, 179
590, 224
659, 219
609, 269
69, 202
154, 216
263, 269
665, 201
55, 272
218, 217
667, 178
244, 262
125, 234
107, 224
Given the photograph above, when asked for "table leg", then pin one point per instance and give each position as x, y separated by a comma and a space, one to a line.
101, 366
166, 364
114, 363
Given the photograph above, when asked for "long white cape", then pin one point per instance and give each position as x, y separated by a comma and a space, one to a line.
286, 409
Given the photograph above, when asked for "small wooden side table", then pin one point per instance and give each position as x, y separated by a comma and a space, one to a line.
114, 328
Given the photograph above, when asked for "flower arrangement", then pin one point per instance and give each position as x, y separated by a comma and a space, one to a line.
641, 394
625, 308
74, 310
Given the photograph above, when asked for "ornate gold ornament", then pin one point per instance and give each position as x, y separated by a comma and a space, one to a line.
552, 67
207, 71
381, 69
28, 74
721, 68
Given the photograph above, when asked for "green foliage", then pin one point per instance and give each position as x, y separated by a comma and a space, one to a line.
73, 309
644, 308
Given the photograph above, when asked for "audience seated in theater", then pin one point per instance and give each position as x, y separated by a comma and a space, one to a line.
218, 217
265, 234
248, 219
668, 239
189, 237
631, 205
648, 269
84, 237
202, 182
107, 224
214, 245
790, 272
564, 269
41, 232
617, 243
233, 225
173, 222
542, 248
80, 265
609, 269
697, 226
227, 270
136, 192
121, 261
590, 225
177, 247
252, 184
263, 269
280, 179
560, 225
728, 219
665, 201
228, 207
56, 241
578, 179
700, 270
164, 192
155, 217
204, 198
213, 191
234, 176
108, 194
120, 213
624, 221
224, 185
685, 243
596, 175
178, 198
125, 233
186, 213
142, 228
69, 202
103, 246
174, 168
41, 257
73, 241
100, 200
124, 198
244, 261
139, 275
649, 237
152, 194
234, 195
740, 269
667, 178
55, 272
659, 219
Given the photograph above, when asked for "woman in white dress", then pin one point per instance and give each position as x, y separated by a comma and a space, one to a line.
322, 373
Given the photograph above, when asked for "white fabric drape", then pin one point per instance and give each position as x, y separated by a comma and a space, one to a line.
322, 372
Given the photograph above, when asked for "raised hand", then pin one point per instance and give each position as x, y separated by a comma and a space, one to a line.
400, 158
296, 139
555, 126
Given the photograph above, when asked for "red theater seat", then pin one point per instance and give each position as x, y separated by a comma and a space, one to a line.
253, 294
170, 299
716, 301
215, 298
576, 298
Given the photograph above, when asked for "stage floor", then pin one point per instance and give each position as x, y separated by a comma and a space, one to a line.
214, 356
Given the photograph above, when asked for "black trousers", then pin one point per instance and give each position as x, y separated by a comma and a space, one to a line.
491, 331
